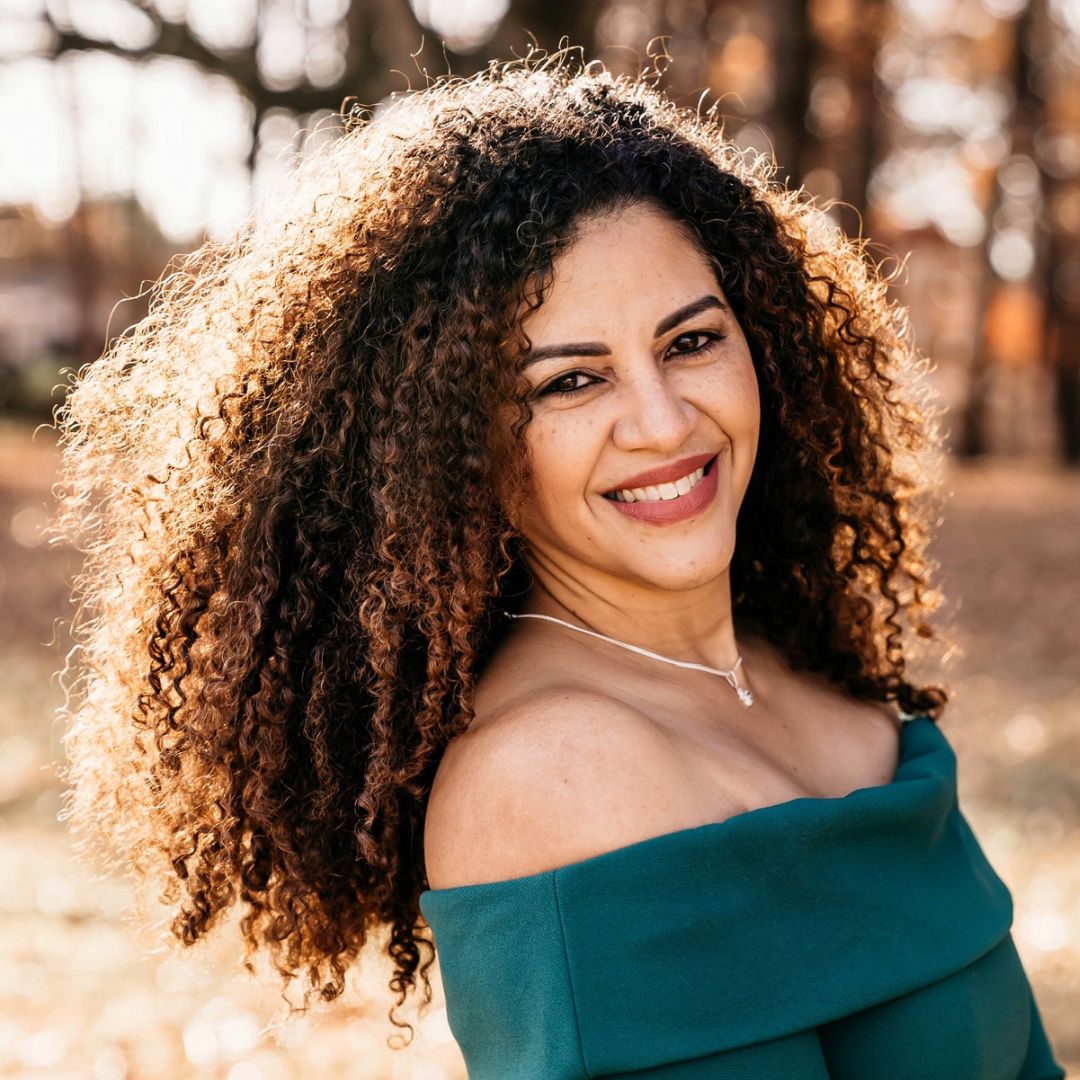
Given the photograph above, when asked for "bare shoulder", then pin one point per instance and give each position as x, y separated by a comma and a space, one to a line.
882, 714
565, 775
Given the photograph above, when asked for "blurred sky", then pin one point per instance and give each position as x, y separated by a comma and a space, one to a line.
162, 129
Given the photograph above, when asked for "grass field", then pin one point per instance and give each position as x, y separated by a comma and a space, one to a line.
86, 996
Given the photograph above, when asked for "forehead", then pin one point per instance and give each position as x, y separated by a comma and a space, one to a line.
622, 265
641, 217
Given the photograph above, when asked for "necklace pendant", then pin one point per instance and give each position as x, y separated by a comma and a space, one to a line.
745, 696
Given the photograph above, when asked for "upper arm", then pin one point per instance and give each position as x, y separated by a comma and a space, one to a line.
562, 777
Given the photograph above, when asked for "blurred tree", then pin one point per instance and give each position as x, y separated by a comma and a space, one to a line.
1035, 197
843, 99
353, 52
1057, 151
1025, 118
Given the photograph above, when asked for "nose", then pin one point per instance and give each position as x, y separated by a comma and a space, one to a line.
655, 414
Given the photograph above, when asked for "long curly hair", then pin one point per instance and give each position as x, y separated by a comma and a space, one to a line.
296, 483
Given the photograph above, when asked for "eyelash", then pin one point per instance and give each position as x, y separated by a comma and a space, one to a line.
711, 337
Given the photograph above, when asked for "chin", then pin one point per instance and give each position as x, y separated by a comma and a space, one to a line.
676, 578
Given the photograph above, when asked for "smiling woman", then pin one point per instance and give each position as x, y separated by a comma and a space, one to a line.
672, 387
420, 522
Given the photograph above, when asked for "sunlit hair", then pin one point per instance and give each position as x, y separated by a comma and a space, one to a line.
286, 481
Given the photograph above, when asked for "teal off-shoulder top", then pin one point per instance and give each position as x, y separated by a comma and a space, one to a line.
857, 938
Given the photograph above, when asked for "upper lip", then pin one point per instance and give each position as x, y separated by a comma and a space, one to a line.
664, 474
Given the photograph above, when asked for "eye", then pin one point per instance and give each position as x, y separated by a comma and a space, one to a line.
553, 387
710, 338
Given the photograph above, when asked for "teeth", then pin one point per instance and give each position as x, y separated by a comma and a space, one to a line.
662, 492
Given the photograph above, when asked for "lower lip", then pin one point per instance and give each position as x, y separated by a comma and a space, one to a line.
668, 511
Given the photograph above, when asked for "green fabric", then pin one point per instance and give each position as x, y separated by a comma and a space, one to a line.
858, 938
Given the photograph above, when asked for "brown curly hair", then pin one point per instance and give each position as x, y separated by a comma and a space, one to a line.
284, 480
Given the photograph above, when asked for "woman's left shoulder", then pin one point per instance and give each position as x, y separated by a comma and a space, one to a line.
882, 713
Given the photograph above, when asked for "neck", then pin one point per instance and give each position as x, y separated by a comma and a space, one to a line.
694, 625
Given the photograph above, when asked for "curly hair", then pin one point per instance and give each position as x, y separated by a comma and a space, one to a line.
296, 489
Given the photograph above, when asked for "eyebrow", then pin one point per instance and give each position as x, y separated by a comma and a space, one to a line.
598, 348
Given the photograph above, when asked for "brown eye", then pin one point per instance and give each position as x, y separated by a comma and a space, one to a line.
709, 337
556, 385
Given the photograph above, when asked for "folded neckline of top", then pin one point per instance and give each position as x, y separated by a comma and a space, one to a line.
908, 753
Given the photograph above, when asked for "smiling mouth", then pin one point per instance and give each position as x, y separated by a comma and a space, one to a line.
707, 468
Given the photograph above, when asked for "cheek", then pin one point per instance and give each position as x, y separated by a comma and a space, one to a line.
750, 400
730, 397
563, 459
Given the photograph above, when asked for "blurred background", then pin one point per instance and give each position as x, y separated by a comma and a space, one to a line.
947, 131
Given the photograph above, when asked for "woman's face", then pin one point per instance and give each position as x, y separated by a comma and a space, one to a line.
636, 325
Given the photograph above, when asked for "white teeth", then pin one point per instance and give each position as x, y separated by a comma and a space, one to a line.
662, 492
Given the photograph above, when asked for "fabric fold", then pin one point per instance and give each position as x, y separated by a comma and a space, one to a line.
745, 937
781, 918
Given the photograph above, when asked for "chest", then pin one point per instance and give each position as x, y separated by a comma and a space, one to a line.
825, 753
802, 737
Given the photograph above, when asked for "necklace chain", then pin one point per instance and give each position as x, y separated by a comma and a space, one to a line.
745, 696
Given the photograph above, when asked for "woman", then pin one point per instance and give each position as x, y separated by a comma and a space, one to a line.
510, 533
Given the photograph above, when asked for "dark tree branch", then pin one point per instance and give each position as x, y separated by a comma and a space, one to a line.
366, 77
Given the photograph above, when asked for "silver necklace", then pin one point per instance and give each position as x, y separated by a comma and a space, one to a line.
745, 696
